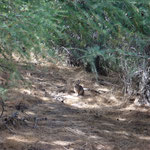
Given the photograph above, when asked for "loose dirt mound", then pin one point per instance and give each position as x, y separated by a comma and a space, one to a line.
46, 114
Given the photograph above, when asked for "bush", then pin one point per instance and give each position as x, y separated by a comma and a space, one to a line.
115, 31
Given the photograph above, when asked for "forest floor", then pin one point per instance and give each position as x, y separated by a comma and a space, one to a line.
43, 113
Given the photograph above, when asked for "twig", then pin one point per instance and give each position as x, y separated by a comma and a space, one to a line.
9, 128
2, 104
36, 121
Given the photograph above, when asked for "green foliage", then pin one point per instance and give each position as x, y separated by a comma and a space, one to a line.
28, 26
7, 65
38, 26
10, 71
108, 23
118, 31
3, 92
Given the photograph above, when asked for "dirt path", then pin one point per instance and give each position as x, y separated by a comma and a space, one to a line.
58, 119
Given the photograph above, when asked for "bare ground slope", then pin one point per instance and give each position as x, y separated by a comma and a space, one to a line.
51, 117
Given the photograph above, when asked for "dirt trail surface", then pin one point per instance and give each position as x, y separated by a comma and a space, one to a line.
45, 113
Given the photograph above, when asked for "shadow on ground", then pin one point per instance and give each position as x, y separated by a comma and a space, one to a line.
92, 122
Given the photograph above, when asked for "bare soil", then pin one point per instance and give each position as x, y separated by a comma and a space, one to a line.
43, 113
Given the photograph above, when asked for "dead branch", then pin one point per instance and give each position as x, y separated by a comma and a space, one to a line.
2, 104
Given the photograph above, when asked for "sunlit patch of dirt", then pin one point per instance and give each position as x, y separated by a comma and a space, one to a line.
49, 115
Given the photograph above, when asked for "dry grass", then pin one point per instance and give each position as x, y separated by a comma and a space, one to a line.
96, 121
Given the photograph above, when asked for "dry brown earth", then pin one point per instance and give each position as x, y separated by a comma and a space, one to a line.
101, 120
